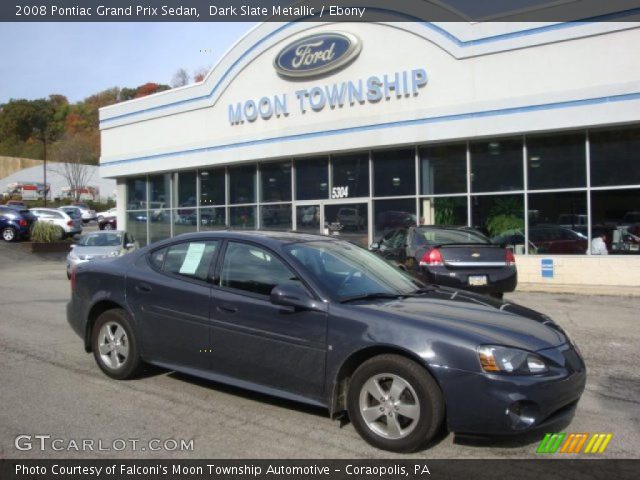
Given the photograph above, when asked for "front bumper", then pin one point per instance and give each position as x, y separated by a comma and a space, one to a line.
488, 404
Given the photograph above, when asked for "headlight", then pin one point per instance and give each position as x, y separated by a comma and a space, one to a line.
115, 253
496, 359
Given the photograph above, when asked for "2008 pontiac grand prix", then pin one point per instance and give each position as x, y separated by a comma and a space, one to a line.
321, 321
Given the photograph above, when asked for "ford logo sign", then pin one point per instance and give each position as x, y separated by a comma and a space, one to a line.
317, 54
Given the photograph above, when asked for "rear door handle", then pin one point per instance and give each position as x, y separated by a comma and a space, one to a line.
226, 309
143, 288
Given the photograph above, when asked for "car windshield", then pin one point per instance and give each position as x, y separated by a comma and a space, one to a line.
101, 240
436, 236
347, 271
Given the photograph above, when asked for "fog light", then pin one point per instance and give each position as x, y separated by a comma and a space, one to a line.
522, 414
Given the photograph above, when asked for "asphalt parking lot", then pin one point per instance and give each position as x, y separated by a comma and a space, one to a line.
50, 386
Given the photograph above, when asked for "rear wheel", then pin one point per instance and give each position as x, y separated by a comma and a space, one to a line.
115, 346
394, 404
9, 234
108, 226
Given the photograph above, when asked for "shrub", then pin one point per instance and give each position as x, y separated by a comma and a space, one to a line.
45, 233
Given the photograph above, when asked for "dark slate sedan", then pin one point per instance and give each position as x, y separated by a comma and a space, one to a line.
322, 321
457, 257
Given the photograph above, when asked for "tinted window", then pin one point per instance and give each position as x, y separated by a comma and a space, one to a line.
190, 259
159, 186
394, 173
448, 237
393, 214
615, 155
185, 189
443, 169
252, 269
136, 193
312, 178
276, 181
242, 184
556, 161
352, 172
212, 191
496, 165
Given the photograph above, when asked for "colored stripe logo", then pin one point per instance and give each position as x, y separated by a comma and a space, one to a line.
574, 443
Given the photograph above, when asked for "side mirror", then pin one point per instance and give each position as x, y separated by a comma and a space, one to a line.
374, 246
129, 245
294, 295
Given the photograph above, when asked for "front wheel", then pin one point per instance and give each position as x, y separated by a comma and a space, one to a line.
114, 345
108, 226
394, 404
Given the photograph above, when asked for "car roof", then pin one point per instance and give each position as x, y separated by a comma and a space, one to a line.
263, 236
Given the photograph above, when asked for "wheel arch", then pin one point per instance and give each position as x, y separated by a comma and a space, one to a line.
96, 310
337, 401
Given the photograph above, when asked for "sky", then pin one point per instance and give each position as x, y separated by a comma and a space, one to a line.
80, 59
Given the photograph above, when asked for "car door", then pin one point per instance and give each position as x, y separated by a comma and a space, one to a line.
255, 340
169, 295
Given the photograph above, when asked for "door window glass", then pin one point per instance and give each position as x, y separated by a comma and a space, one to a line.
252, 269
189, 259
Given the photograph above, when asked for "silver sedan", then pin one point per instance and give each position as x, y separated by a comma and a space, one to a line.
99, 245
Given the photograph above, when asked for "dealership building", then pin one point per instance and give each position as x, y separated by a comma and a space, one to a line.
528, 132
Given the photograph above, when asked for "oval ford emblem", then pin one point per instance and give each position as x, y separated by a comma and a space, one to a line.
317, 54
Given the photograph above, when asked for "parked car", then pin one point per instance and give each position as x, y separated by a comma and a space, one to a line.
322, 321
107, 213
67, 226
453, 256
108, 223
391, 219
15, 224
350, 218
99, 245
546, 239
17, 205
87, 213
73, 212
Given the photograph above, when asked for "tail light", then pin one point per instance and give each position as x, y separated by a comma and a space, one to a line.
509, 258
22, 222
73, 280
432, 257
70, 223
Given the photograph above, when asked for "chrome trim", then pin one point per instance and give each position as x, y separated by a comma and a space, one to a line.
476, 264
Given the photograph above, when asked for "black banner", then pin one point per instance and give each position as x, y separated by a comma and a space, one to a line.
317, 10
543, 468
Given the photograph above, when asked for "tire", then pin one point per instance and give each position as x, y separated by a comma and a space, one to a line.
122, 361
9, 234
416, 394
108, 226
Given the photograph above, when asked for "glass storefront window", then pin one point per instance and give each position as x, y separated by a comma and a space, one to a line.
558, 223
185, 220
159, 188
242, 217
394, 172
308, 218
242, 184
392, 214
498, 215
616, 215
276, 182
184, 189
351, 172
556, 161
136, 194
159, 225
213, 218
443, 169
443, 211
348, 221
312, 178
496, 165
276, 217
615, 156
137, 226
212, 187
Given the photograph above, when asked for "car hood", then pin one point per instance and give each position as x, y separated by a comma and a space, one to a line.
94, 251
479, 319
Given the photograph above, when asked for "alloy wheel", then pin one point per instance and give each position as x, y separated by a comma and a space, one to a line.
113, 345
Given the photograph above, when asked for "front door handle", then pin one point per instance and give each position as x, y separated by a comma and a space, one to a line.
143, 288
226, 309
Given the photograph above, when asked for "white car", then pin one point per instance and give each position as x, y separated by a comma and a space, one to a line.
87, 213
67, 225
107, 213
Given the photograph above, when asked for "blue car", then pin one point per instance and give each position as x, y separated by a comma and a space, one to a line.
319, 320
15, 224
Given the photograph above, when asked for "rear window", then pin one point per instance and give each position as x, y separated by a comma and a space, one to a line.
451, 237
